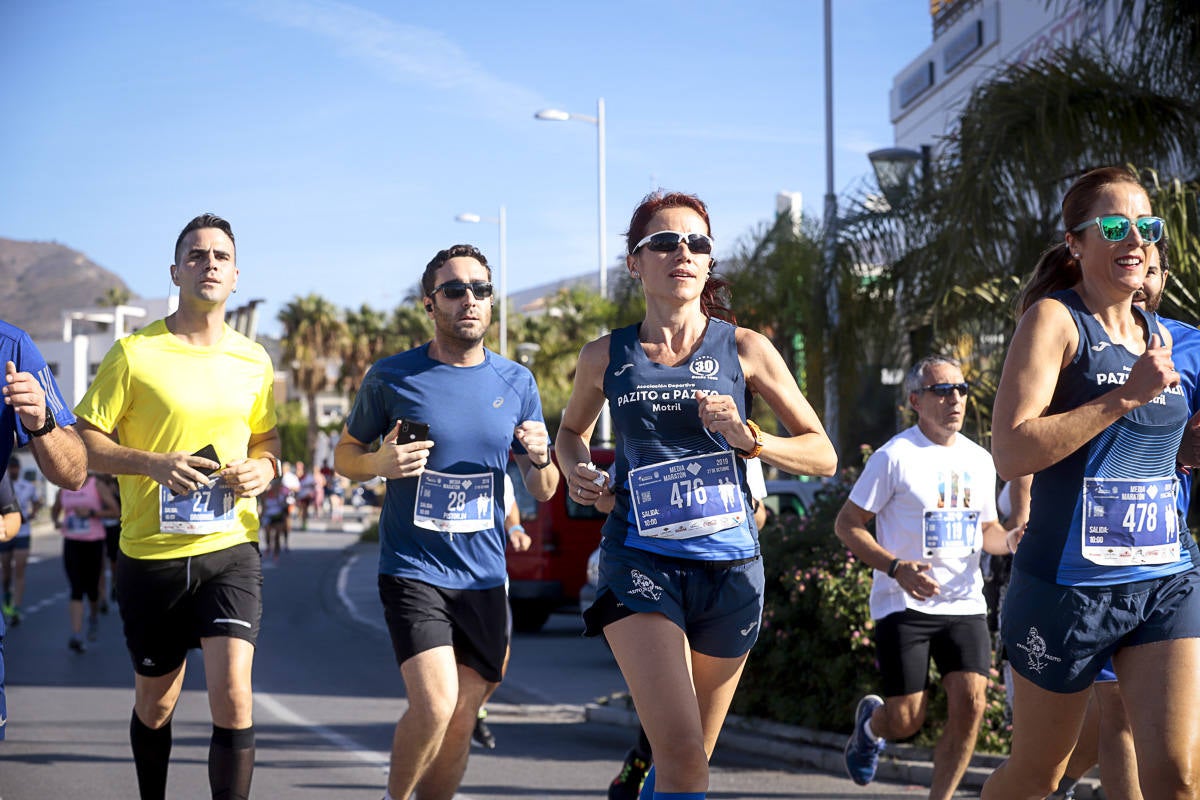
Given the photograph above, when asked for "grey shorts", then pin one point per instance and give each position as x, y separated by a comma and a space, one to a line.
717, 604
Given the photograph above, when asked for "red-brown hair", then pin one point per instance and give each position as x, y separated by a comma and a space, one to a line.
715, 297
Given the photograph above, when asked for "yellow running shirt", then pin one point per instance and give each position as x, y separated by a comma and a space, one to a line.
163, 395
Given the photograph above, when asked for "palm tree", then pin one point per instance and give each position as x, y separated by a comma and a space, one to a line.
312, 344
114, 296
954, 249
369, 336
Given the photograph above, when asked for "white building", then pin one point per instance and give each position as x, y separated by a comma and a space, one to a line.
971, 39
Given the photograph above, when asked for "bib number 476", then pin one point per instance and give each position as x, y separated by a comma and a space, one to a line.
686, 493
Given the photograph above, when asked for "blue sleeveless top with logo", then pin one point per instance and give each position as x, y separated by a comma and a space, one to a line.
681, 490
1106, 514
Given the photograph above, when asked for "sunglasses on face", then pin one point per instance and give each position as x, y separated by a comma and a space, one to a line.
947, 389
1115, 227
669, 241
457, 290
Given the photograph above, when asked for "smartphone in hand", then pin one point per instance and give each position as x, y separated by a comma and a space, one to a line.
411, 431
209, 452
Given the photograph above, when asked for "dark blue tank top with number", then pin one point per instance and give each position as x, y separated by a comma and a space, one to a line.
1140, 445
656, 419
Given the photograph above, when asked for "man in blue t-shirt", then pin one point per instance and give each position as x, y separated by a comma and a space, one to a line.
448, 412
35, 414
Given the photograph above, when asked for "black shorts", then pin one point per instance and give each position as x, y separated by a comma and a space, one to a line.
421, 616
905, 641
83, 561
169, 605
112, 541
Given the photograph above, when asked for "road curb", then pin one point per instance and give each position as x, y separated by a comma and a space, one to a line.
822, 750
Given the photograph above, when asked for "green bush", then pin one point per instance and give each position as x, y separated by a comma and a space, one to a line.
815, 656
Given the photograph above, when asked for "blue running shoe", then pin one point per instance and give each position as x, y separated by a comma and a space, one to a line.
862, 754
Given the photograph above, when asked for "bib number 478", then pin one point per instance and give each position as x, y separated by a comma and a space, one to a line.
1141, 517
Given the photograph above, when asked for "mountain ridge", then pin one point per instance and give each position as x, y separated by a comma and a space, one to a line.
38, 280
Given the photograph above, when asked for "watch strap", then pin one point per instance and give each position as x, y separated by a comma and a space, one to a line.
49, 425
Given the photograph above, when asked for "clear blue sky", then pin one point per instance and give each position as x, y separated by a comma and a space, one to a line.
341, 139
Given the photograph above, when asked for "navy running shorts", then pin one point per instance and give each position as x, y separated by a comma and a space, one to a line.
421, 616
906, 641
168, 605
717, 604
1060, 637
16, 543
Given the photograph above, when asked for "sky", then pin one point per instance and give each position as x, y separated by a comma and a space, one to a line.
342, 138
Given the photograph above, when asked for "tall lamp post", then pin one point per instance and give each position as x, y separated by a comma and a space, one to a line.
555, 115
832, 420
503, 294
604, 425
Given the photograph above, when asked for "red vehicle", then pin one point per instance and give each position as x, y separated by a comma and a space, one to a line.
551, 572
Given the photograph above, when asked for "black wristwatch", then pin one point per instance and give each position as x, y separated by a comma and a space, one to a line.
42, 431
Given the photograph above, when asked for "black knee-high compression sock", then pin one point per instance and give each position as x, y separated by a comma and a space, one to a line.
151, 755
231, 763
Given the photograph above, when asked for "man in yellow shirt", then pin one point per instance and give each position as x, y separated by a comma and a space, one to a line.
183, 412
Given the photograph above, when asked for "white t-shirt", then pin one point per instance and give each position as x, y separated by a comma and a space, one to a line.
902, 482
26, 492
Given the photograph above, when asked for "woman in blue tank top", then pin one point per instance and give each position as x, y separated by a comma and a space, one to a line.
1089, 403
681, 582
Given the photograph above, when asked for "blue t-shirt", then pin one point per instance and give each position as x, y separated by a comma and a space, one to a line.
471, 413
17, 347
656, 418
1140, 445
1185, 352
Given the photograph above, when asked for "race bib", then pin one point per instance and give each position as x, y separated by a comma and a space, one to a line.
1129, 522
207, 509
951, 532
455, 503
687, 497
78, 523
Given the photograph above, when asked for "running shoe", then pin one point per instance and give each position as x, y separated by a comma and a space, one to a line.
482, 735
93, 632
862, 754
628, 783
77, 645
8, 610
14, 619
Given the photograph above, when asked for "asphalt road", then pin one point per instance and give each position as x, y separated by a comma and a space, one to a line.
327, 695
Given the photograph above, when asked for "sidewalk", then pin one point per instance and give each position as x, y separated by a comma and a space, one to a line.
788, 744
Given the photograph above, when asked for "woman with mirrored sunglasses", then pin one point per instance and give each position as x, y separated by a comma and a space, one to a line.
680, 595
1089, 404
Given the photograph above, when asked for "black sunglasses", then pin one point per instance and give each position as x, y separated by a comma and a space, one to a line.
457, 290
669, 241
947, 389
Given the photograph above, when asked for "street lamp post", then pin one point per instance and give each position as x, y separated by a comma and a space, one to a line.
503, 293
604, 425
556, 115
832, 298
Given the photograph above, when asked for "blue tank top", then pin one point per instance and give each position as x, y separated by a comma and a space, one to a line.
656, 419
1140, 445
1185, 352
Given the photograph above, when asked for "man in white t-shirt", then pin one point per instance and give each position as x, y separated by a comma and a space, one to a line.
932, 493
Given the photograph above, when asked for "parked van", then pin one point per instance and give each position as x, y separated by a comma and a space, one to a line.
549, 575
